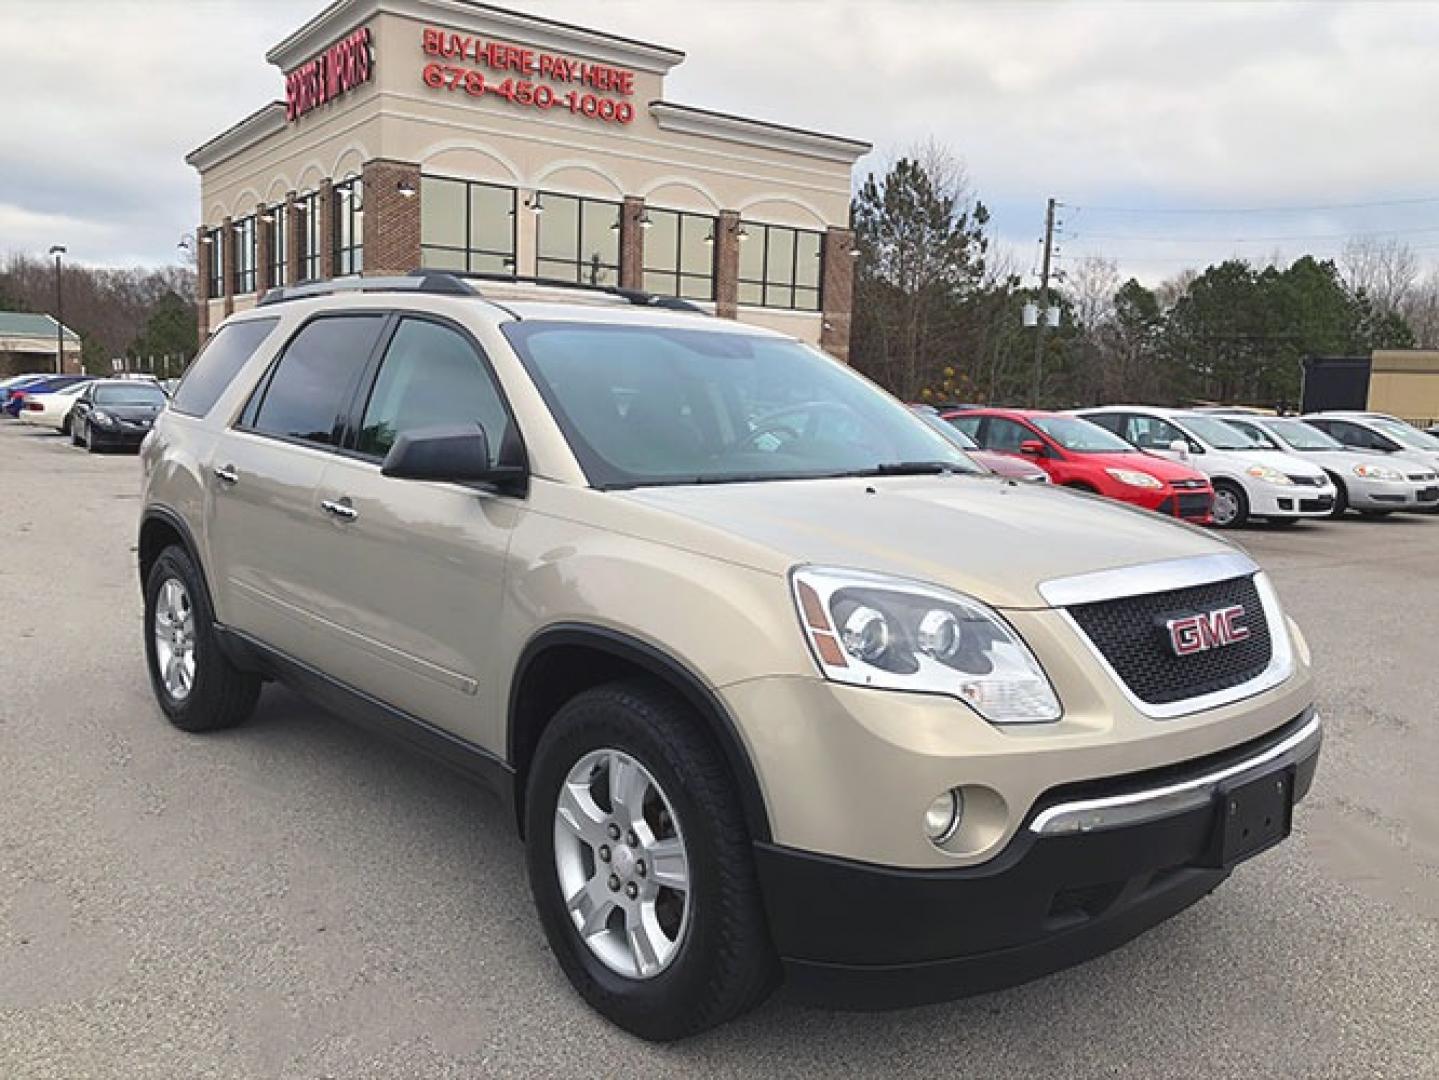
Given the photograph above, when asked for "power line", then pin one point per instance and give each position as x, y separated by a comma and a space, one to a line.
1253, 239
1416, 201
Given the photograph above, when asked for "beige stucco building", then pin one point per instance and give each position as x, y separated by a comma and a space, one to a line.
452, 134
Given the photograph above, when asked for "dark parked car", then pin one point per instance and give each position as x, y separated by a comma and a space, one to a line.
14, 395
115, 413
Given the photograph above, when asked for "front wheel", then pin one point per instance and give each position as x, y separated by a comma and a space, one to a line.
1231, 505
1341, 498
641, 867
91, 446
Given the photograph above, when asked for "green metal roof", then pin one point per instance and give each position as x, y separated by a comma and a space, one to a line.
27, 324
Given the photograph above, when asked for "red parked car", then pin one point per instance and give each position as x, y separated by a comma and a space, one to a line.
1005, 465
1078, 454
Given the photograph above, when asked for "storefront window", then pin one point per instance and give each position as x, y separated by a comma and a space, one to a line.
779, 267
467, 226
214, 258
279, 232
245, 252
579, 240
679, 254
307, 210
349, 227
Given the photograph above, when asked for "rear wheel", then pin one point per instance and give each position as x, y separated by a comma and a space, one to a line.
1231, 505
641, 866
194, 681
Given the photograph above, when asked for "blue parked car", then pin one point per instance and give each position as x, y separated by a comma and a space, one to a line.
12, 394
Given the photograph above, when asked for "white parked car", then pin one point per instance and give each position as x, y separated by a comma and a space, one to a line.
1250, 479
1376, 431
1364, 480
52, 410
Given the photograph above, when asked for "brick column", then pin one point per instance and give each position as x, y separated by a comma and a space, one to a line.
632, 243
295, 240
227, 264
262, 250
392, 220
727, 264
837, 291
202, 285
326, 203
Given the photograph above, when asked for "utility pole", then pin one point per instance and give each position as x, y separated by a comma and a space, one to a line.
1043, 303
57, 251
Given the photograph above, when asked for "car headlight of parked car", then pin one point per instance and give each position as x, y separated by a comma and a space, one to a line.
1268, 475
101, 417
876, 631
1134, 478
1377, 472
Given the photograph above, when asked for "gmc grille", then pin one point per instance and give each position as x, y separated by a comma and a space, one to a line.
1131, 635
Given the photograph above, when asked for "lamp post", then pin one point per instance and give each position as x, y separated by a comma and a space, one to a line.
57, 250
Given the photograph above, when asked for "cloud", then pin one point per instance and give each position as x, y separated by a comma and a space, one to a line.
1099, 104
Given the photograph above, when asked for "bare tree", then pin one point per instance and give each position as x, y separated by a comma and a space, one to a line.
1384, 269
1090, 288
1421, 310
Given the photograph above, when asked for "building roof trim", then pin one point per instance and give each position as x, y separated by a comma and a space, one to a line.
342, 16
32, 324
259, 125
689, 120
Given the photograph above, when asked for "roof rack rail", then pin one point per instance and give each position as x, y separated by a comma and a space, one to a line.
423, 281
638, 297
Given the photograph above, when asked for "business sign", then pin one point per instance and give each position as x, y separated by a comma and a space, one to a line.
343, 66
527, 78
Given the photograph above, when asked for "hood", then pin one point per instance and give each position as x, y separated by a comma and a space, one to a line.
1283, 460
1161, 468
993, 539
1344, 461
132, 412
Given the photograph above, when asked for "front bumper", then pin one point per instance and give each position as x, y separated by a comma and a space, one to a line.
1291, 501
1365, 494
122, 435
856, 935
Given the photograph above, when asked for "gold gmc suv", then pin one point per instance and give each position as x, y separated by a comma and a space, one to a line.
777, 682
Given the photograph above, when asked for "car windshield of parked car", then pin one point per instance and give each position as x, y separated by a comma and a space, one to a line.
1222, 436
647, 405
1302, 436
1408, 436
1080, 436
947, 429
138, 394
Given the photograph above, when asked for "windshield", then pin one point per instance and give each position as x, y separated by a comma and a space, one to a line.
1411, 437
1080, 436
1301, 436
667, 405
141, 394
1223, 436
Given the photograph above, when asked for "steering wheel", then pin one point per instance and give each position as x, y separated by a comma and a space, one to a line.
793, 420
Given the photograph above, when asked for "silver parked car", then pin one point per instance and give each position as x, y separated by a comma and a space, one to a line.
1378, 431
1364, 480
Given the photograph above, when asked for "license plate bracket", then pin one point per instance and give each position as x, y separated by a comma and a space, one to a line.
1251, 816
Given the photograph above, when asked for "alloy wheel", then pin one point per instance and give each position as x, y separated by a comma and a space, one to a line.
622, 864
175, 639
1226, 506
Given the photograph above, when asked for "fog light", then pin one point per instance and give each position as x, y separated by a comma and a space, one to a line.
942, 817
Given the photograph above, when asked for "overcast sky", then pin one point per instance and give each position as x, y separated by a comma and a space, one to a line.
1169, 108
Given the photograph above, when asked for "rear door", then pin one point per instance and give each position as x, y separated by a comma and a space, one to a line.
413, 576
265, 529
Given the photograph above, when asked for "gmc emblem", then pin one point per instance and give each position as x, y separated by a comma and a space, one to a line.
1190, 634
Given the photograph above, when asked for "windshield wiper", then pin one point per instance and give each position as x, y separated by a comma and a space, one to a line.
906, 468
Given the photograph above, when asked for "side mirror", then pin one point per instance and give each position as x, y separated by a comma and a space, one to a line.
460, 455
1180, 447
1032, 448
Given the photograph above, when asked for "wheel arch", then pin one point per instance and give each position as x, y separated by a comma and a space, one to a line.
161, 527
566, 659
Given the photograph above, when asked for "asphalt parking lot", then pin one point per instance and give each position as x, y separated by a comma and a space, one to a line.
298, 898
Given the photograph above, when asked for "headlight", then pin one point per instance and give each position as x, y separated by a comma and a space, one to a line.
1377, 472
101, 417
1134, 478
876, 631
1268, 475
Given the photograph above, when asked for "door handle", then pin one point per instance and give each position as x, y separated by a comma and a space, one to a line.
341, 509
227, 475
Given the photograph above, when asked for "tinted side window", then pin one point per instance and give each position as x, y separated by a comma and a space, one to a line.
431, 377
1006, 435
967, 424
219, 361
312, 382
1109, 421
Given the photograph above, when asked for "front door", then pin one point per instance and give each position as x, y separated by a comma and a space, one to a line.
414, 573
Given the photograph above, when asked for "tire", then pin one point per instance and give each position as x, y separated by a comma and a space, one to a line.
721, 962
219, 695
75, 439
65, 425
1341, 498
1230, 502
91, 446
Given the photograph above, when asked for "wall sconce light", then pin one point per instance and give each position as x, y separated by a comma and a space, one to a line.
710, 237
740, 232
535, 205
645, 220
406, 189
